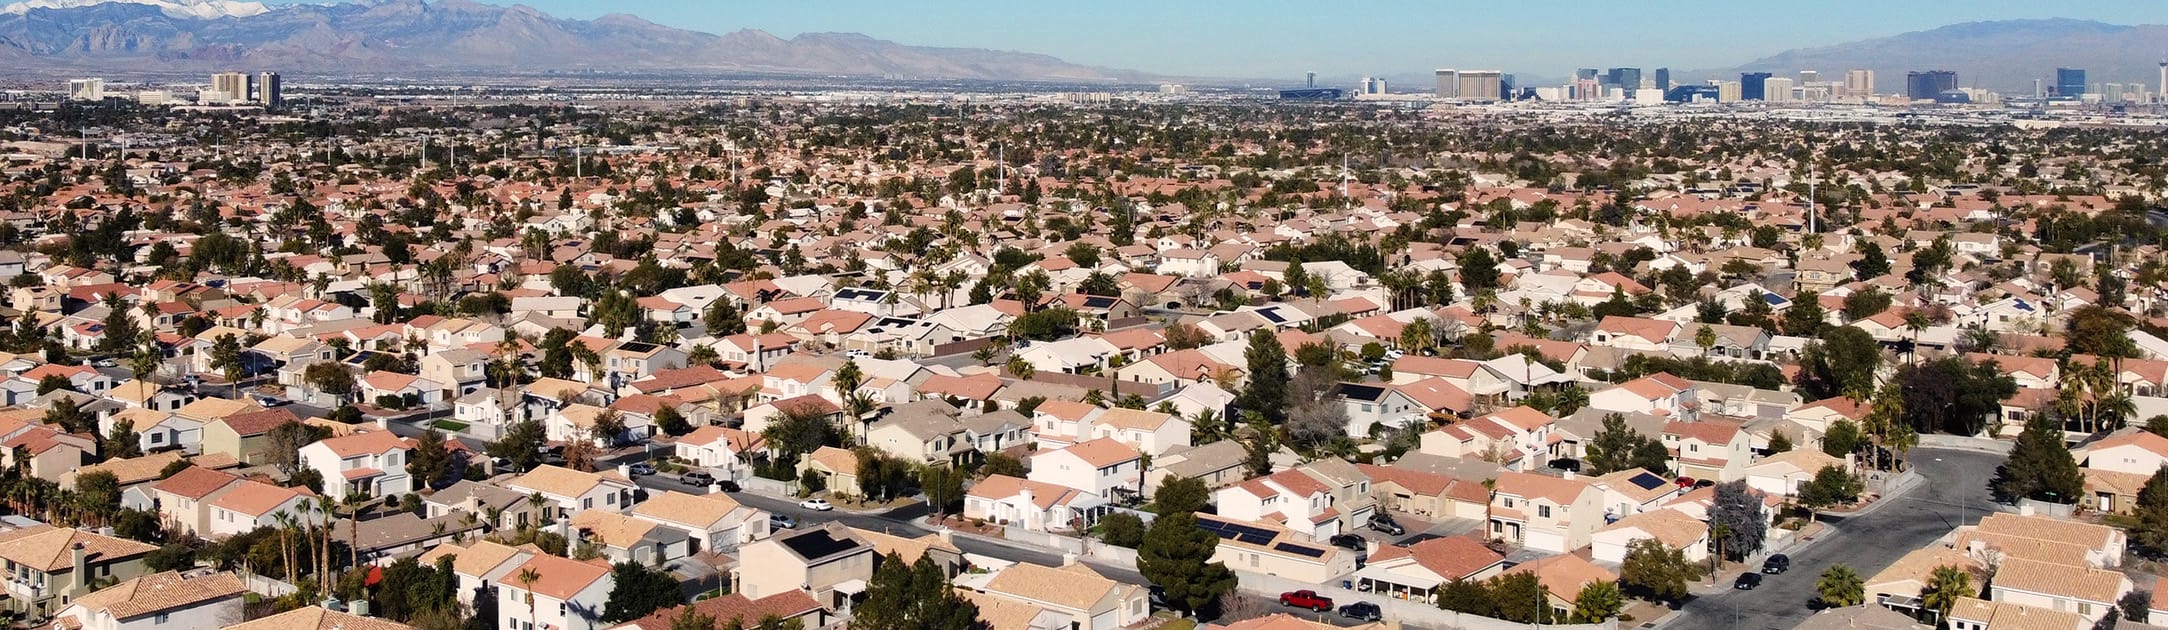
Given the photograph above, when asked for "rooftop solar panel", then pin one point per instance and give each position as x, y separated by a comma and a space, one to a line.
1647, 481
1302, 550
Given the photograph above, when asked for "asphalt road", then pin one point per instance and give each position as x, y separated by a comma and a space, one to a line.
1953, 491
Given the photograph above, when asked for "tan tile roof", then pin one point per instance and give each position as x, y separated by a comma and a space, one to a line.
1103, 452
47, 548
367, 443
612, 529
561, 578
1674, 528
195, 482
2048, 528
1075, 587
2008, 616
735, 607
557, 480
695, 510
256, 498
2095, 585
1564, 575
160, 591
134, 470
476, 560
316, 618
908, 549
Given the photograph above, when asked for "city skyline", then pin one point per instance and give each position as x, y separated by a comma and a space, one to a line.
1276, 39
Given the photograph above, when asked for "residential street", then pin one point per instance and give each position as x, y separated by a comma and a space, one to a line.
1953, 491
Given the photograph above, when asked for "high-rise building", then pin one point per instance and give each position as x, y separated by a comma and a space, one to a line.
1926, 85
230, 87
270, 91
2164, 80
1663, 79
1750, 85
1628, 79
1777, 89
1730, 91
1809, 76
1480, 85
1585, 74
1309, 80
86, 89
1448, 83
2069, 82
1859, 83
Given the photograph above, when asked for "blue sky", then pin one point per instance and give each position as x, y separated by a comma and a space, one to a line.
1278, 39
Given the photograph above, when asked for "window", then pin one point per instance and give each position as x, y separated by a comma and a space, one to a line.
1543, 511
161, 618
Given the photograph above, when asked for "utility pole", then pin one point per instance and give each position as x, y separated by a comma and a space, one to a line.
1812, 181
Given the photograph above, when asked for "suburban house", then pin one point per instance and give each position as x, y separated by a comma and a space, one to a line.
716, 522
572, 491
1071, 596
370, 463
1103, 467
566, 594
48, 566
1033, 505
829, 562
166, 601
1289, 498
1545, 513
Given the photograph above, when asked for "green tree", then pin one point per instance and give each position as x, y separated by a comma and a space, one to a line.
1478, 271
2150, 536
1176, 556
1467, 596
123, 443
1002, 464
689, 618
120, 325
639, 590
1655, 571
1779, 442
723, 319
1597, 602
2100, 331
1842, 363
1945, 586
2039, 466
1843, 438
1265, 392
671, 422
1831, 485
521, 444
1840, 586
226, 357
1618, 447
430, 462
1520, 598
912, 597
1806, 318
1181, 494
1866, 303
1122, 529
67, 414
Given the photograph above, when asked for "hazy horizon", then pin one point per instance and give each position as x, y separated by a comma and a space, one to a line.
1278, 39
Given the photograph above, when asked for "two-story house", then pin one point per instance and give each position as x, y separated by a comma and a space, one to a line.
829, 562
1543, 512
716, 522
1290, 497
48, 567
1102, 467
161, 601
571, 491
552, 593
371, 463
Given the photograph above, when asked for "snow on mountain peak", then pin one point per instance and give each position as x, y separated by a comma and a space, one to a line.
183, 9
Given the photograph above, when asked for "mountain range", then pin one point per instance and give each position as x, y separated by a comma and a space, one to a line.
2003, 56
412, 36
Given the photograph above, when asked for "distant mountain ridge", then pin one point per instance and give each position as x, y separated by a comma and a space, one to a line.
403, 36
2002, 55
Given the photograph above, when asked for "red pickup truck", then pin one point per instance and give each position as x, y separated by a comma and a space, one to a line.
1306, 599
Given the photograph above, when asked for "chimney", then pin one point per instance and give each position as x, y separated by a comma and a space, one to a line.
360, 608
82, 564
1068, 559
947, 535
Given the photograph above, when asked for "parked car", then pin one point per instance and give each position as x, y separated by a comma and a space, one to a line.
727, 485
1747, 581
640, 469
106, 363
817, 505
1777, 564
1566, 464
697, 478
1384, 524
1364, 611
782, 521
1306, 599
1348, 541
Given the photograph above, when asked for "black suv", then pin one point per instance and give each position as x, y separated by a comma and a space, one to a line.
1776, 564
1348, 541
1364, 611
1747, 581
1384, 524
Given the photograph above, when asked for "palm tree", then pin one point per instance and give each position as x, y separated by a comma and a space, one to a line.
325, 508
589, 358
1945, 586
1915, 321
534, 505
354, 501
527, 578
286, 550
1840, 586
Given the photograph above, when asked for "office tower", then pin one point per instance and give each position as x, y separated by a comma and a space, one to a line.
2069, 82
1730, 92
270, 91
1750, 85
1309, 80
1628, 79
1479, 85
230, 86
1584, 74
1809, 76
86, 89
1859, 83
1777, 89
2111, 92
2040, 88
1663, 79
1507, 85
1926, 85
1448, 83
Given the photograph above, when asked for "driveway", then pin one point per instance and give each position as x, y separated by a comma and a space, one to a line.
1953, 491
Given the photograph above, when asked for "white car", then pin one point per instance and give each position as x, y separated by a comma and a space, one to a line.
817, 505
